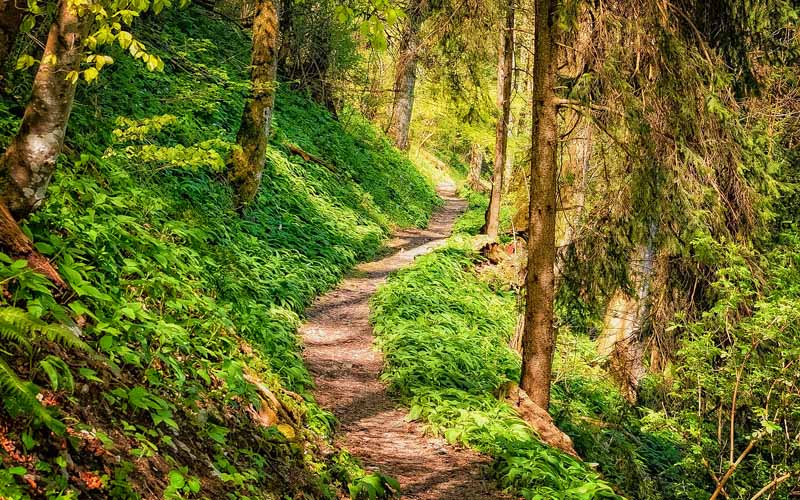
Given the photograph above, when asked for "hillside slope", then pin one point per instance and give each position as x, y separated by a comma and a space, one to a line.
194, 386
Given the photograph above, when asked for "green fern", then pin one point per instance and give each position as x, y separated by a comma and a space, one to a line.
20, 329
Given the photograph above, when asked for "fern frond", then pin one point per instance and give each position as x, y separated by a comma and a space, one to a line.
16, 326
12, 334
12, 387
62, 335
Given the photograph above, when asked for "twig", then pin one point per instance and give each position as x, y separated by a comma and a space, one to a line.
775, 482
732, 468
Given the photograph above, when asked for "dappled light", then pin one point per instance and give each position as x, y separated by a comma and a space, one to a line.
409, 249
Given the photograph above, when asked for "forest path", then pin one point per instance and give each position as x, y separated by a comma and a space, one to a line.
339, 353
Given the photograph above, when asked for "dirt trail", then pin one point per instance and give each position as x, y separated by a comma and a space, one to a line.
339, 353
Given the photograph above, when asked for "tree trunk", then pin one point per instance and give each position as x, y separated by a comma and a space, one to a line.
576, 152
10, 21
246, 164
505, 67
475, 168
30, 160
539, 337
620, 343
404, 80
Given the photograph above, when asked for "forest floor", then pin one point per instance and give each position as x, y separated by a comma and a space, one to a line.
346, 367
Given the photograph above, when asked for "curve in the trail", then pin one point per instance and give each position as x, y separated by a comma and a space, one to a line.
340, 354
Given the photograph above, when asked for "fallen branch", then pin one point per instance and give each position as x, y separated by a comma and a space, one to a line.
294, 148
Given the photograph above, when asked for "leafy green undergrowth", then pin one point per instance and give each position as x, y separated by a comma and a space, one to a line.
194, 386
444, 332
444, 335
637, 449
473, 219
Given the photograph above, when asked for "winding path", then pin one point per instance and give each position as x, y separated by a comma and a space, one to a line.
339, 353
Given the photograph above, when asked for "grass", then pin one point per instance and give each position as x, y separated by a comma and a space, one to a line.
183, 300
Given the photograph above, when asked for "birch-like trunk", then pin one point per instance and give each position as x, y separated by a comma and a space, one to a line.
246, 164
28, 163
30, 160
620, 342
475, 168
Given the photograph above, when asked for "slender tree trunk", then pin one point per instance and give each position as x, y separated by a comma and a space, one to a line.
404, 81
538, 341
30, 160
10, 21
505, 67
475, 168
246, 164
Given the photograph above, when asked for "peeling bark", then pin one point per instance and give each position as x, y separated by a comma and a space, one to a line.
538, 341
30, 160
246, 165
505, 67
10, 20
404, 81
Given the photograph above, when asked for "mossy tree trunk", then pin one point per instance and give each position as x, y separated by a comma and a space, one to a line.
405, 79
505, 68
246, 164
10, 21
538, 340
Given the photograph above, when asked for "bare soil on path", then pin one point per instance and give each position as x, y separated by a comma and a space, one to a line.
340, 354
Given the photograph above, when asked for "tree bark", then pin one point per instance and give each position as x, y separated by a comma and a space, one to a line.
475, 168
30, 160
620, 342
246, 164
504, 76
10, 21
576, 151
404, 80
539, 337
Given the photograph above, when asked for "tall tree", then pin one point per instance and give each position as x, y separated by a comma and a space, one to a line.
538, 339
505, 67
405, 76
246, 164
10, 21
